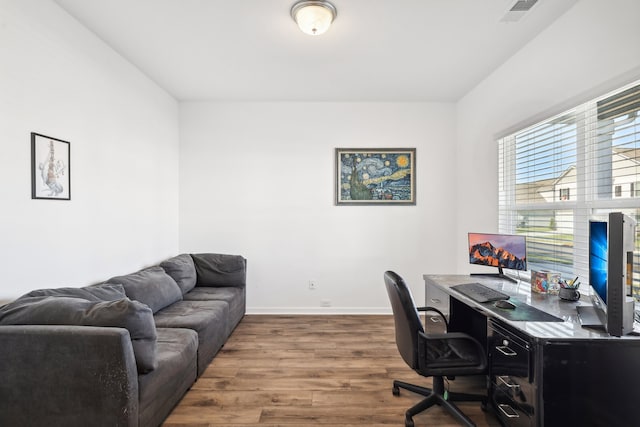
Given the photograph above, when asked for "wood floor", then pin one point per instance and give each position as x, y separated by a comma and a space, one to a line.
309, 371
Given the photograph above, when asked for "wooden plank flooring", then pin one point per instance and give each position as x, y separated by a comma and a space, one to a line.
324, 371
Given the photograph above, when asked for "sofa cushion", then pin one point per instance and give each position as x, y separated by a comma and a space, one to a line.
232, 295
182, 270
151, 286
163, 388
219, 269
101, 292
208, 318
136, 317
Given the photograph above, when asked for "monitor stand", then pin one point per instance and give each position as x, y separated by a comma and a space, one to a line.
500, 274
591, 317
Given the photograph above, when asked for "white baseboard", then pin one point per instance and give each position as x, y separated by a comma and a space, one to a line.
319, 310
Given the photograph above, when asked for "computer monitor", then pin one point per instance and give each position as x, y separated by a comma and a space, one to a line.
620, 303
498, 250
611, 246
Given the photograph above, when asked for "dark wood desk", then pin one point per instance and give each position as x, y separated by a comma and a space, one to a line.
545, 373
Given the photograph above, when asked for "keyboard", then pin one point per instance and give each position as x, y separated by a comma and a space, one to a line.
479, 292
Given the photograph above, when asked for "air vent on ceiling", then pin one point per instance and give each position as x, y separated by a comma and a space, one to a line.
517, 10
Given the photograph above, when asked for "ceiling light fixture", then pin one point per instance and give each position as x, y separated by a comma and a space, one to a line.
313, 17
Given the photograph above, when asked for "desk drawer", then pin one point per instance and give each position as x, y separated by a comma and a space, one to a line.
509, 354
439, 299
510, 413
512, 389
517, 389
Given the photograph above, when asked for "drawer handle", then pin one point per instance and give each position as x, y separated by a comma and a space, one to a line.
506, 380
435, 319
508, 411
436, 300
506, 351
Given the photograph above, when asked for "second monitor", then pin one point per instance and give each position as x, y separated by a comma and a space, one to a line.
611, 246
498, 250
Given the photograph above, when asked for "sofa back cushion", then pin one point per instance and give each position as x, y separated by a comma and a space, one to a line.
220, 270
101, 292
182, 270
136, 317
151, 286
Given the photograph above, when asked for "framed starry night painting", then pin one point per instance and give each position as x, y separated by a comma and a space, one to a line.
375, 176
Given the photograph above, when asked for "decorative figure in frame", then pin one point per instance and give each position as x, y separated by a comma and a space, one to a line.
51, 170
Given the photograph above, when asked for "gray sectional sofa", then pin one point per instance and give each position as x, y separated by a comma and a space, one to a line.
118, 353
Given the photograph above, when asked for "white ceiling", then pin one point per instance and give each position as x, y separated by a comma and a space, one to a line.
377, 50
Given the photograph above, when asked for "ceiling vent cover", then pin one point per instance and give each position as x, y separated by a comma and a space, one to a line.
517, 10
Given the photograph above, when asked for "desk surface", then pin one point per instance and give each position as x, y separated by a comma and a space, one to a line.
521, 292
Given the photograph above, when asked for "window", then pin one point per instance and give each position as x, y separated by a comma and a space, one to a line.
558, 174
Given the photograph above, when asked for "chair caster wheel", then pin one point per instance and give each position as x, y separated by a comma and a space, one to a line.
408, 422
396, 391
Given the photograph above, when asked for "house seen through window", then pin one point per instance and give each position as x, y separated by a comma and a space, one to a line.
557, 175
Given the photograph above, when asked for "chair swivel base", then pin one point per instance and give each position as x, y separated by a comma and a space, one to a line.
433, 397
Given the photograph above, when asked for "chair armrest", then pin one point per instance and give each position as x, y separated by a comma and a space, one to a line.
67, 375
441, 314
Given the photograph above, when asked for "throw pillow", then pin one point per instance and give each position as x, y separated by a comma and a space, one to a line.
101, 292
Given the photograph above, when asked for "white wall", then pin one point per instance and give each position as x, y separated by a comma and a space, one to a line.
590, 50
257, 179
58, 79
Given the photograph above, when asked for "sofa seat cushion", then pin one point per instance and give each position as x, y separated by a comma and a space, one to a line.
182, 270
134, 316
208, 318
163, 388
151, 286
220, 269
101, 292
235, 297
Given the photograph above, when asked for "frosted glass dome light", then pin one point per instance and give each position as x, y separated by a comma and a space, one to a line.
313, 17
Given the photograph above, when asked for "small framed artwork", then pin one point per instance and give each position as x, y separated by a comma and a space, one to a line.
375, 176
50, 168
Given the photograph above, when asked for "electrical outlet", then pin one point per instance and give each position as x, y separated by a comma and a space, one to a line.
325, 303
313, 285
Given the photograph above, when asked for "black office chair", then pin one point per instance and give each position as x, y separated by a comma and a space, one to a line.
432, 355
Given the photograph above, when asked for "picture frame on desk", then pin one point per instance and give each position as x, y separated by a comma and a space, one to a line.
375, 176
50, 168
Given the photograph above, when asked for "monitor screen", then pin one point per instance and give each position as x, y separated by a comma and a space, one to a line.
498, 250
598, 250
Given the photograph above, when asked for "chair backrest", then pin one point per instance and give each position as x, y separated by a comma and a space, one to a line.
406, 318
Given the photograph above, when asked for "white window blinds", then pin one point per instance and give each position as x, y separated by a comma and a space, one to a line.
558, 174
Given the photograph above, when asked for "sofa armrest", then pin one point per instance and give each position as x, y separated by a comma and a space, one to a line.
67, 376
